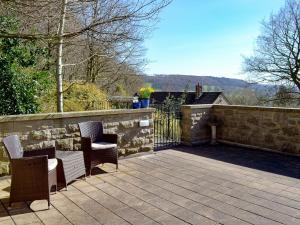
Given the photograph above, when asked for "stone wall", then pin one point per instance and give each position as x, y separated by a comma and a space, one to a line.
61, 130
195, 129
275, 129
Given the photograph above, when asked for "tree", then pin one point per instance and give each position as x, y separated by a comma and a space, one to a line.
115, 26
243, 96
277, 54
284, 96
21, 82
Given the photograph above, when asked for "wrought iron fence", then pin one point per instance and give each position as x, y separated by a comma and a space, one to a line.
167, 130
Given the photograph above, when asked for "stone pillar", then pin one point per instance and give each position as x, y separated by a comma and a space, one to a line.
194, 124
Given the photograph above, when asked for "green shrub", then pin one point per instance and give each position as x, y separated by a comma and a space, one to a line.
77, 97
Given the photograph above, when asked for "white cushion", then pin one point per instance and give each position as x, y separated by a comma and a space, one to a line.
52, 163
103, 145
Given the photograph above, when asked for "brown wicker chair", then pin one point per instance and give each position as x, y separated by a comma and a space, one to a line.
97, 147
33, 173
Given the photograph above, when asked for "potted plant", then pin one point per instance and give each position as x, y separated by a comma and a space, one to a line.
145, 94
136, 104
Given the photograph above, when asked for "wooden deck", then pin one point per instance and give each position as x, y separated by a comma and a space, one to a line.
203, 185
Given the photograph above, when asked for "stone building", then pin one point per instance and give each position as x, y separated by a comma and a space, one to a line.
191, 98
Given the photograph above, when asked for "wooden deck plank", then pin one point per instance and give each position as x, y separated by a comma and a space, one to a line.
207, 191
135, 202
71, 211
169, 192
218, 201
262, 176
77, 194
155, 199
223, 176
119, 208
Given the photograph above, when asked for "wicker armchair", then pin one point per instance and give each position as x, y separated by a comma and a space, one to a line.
97, 147
33, 173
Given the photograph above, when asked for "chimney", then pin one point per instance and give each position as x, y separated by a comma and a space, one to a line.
198, 90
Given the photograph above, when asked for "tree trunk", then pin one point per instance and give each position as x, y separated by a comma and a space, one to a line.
91, 39
59, 61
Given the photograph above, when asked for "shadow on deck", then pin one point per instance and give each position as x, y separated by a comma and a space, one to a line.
272, 162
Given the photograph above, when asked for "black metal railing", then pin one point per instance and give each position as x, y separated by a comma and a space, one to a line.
167, 130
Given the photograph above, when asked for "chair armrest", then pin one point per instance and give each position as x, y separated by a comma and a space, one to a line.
86, 144
111, 138
50, 152
28, 164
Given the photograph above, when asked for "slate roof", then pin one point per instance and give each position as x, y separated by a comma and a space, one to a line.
159, 97
208, 98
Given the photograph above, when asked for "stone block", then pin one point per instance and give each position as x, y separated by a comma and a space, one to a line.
72, 128
110, 125
77, 147
67, 135
40, 134
252, 120
112, 130
138, 141
292, 122
4, 168
64, 144
146, 148
57, 131
127, 124
34, 146
77, 140
121, 151
47, 144
269, 138
130, 151
290, 131
145, 131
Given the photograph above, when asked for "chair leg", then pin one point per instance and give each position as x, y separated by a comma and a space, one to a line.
49, 205
9, 204
117, 167
88, 170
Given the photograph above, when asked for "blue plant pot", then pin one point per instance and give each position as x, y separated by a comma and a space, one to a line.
136, 105
145, 103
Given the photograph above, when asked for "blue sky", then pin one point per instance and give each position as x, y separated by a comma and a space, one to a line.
206, 37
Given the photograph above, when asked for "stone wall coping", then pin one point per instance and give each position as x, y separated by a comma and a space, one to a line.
202, 106
49, 116
242, 107
257, 108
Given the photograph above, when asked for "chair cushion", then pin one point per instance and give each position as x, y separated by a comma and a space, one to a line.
103, 145
52, 163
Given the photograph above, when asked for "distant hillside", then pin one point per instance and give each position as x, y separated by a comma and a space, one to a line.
181, 82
